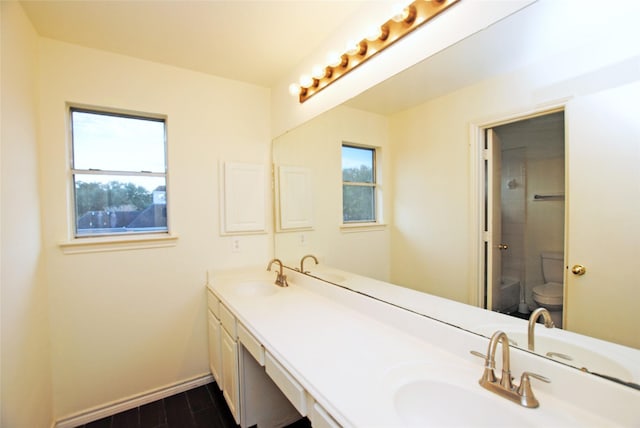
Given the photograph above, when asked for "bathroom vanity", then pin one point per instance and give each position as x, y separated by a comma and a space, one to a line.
341, 358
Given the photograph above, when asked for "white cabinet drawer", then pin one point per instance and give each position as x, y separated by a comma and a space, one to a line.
287, 384
213, 304
228, 321
251, 344
321, 419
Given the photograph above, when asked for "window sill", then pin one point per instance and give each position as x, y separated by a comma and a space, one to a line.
362, 227
117, 243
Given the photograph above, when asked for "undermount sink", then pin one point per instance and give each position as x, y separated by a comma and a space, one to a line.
443, 395
420, 404
255, 288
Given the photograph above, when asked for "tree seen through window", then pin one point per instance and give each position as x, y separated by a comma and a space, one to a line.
358, 188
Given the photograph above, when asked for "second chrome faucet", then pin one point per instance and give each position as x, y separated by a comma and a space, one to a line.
548, 322
281, 278
308, 256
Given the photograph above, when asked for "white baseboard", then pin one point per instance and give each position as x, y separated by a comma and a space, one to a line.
137, 400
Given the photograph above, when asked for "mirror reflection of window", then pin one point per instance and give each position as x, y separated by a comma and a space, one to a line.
358, 184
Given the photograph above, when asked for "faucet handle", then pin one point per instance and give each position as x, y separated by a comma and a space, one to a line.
488, 363
488, 376
552, 354
525, 392
477, 354
536, 376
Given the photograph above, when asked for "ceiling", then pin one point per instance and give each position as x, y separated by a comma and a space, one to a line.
261, 41
256, 42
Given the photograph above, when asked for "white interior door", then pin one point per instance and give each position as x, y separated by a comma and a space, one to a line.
494, 219
603, 219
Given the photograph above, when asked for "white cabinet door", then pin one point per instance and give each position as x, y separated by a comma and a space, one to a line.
215, 348
230, 381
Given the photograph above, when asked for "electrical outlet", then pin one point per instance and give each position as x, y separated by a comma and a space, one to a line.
302, 240
235, 245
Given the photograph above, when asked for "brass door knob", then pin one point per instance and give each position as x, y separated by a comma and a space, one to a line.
503, 246
578, 270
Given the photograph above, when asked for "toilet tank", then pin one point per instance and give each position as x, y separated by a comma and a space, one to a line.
552, 266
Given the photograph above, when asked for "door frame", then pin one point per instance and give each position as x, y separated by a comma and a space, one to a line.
478, 194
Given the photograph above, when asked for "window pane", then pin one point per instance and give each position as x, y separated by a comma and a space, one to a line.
107, 204
358, 203
357, 164
117, 143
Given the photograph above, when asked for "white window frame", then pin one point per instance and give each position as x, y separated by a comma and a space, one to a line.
377, 198
120, 240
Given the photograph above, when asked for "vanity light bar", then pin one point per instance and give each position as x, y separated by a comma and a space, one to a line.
413, 16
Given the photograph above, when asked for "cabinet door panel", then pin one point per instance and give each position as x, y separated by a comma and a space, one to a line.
230, 380
215, 355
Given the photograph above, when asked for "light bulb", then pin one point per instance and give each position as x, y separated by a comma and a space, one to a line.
318, 72
400, 12
306, 81
334, 59
352, 47
294, 89
374, 33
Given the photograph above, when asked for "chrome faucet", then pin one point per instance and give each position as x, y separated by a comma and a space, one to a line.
304, 258
548, 322
489, 376
504, 386
281, 278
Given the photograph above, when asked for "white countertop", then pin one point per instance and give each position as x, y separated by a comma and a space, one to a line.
355, 355
605, 358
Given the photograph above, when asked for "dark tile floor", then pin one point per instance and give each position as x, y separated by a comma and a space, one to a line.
200, 407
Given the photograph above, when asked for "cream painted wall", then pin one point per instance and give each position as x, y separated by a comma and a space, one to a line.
432, 245
126, 322
317, 145
26, 391
429, 240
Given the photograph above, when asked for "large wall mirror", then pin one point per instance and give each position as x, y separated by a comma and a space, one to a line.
506, 174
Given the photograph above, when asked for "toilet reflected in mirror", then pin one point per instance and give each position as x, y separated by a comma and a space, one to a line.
550, 294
